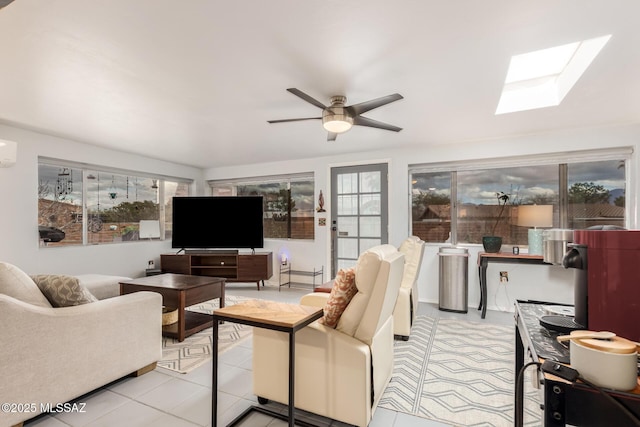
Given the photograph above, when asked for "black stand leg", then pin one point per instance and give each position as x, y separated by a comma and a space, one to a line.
214, 376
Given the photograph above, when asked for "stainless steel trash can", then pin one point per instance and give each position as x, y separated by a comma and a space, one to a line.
454, 279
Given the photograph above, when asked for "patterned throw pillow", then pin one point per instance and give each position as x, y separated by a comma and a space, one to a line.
344, 288
63, 291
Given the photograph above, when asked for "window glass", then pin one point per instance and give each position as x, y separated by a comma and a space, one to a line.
593, 194
487, 201
116, 204
289, 205
107, 208
59, 205
431, 206
172, 189
596, 194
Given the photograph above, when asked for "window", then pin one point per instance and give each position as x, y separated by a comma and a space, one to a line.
582, 191
79, 205
288, 202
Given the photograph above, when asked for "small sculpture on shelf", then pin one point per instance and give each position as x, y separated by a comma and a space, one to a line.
320, 207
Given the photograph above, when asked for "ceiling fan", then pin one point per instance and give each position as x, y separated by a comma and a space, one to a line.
338, 118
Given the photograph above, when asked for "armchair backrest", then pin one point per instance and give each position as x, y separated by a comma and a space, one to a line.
378, 274
413, 250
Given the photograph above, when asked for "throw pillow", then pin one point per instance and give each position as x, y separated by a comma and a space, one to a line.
63, 291
17, 284
344, 288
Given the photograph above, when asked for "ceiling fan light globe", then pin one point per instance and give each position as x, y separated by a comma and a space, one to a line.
337, 122
337, 126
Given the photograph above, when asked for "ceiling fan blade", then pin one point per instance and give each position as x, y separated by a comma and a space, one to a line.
363, 107
310, 100
364, 121
331, 136
294, 120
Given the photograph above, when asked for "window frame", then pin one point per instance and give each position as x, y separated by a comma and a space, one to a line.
287, 179
85, 168
565, 158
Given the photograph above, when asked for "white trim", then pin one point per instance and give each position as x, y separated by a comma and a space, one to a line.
604, 154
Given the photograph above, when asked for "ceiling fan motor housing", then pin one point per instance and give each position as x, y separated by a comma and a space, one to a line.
337, 118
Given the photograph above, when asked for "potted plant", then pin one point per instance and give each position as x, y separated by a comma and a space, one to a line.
493, 243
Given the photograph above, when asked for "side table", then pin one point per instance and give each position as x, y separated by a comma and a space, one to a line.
276, 316
484, 258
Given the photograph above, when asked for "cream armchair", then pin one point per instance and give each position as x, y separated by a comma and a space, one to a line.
340, 373
407, 303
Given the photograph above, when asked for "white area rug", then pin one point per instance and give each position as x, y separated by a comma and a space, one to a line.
195, 350
457, 372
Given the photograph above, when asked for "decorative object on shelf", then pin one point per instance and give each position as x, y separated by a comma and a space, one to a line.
320, 207
535, 216
493, 243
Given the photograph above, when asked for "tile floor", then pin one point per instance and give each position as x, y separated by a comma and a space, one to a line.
162, 398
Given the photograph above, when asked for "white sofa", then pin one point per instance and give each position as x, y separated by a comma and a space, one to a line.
53, 355
341, 373
407, 304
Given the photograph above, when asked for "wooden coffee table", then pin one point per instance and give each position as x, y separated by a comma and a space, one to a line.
180, 291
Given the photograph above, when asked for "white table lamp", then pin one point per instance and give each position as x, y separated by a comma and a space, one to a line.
535, 216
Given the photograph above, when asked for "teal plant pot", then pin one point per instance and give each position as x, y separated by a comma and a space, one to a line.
492, 244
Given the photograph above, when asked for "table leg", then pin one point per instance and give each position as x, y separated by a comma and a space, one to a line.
519, 363
292, 370
480, 283
483, 287
181, 316
214, 376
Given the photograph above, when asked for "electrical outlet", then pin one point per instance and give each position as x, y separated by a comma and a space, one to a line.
504, 277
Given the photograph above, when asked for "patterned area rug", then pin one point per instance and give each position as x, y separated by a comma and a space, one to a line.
195, 350
457, 372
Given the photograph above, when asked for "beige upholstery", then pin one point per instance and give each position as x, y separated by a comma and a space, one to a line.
53, 355
340, 373
407, 303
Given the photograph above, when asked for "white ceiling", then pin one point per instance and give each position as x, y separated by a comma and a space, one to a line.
195, 81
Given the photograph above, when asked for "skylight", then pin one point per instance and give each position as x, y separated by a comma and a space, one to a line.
543, 78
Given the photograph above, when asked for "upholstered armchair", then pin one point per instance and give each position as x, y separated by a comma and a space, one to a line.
407, 303
341, 373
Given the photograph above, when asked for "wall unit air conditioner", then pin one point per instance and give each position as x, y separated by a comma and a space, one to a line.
7, 153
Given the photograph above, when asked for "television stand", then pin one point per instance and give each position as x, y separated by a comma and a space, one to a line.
234, 267
211, 251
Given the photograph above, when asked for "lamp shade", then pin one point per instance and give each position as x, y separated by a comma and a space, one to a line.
535, 215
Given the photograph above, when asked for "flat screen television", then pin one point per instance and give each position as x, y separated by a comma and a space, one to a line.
217, 222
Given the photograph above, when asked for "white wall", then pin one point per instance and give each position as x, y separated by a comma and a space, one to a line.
525, 281
18, 198
19, 207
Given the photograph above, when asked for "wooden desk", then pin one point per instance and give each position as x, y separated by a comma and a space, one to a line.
484, 258
276, 316
564, 402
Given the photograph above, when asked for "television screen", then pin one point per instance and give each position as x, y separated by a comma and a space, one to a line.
217, 222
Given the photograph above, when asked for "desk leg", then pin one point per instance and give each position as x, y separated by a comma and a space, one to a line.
483, 287
519, 363
214, 376
292, 371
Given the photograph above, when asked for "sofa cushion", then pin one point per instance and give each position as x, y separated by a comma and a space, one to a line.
63, 291
344, 288
17, 284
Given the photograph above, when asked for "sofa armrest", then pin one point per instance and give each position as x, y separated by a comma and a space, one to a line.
315, 299
53, 355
